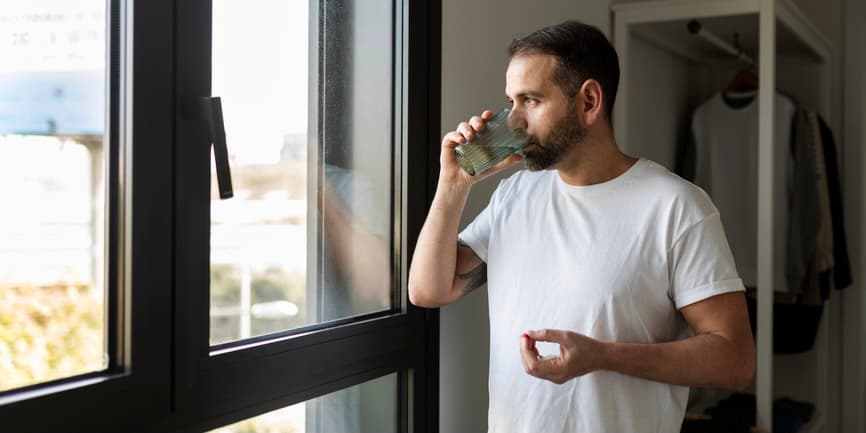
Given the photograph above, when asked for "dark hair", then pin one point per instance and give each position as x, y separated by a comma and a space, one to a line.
582, 52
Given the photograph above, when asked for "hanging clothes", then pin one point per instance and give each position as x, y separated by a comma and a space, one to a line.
828, 263
822, 252
805, 216
724, 157
842, 277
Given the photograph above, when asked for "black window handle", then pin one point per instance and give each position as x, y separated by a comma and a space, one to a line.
210, 109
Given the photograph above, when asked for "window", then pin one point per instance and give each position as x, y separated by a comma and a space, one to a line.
259, 237
288, 295
284, 248
53, 182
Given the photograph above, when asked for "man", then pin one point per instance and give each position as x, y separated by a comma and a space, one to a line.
622, 264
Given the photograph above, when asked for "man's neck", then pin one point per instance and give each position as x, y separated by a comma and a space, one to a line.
593, 162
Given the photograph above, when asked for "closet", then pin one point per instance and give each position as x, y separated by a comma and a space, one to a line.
668, 71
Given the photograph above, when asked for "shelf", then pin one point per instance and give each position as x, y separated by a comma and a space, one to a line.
816, 424
664, 24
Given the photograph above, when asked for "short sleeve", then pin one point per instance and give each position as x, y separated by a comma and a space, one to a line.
701, 264
477, 233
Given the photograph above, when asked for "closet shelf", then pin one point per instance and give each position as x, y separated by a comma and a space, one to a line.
663, 23
816, 424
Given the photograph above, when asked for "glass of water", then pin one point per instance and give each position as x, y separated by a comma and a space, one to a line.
492, 145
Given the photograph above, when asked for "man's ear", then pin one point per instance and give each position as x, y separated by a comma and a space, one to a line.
592, 101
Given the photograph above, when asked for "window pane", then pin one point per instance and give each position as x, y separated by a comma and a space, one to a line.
307, 236
52, 180
368, 407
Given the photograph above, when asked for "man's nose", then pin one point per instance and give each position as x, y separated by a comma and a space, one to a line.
516, 120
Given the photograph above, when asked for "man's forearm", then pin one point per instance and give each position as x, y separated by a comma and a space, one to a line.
435, 258
367, 272
705, 360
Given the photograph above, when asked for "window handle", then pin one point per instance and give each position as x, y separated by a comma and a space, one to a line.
210, 109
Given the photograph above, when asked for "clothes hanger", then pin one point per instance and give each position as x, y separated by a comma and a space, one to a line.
745, 82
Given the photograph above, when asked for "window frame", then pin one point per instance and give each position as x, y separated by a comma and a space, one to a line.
158, 164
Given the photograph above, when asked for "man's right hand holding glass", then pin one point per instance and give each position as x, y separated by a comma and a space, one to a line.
450, 172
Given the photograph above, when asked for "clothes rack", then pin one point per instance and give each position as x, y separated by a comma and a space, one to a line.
768, 28
694, 26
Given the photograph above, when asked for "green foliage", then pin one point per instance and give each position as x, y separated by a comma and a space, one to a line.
49, 333
57, 331
225, 284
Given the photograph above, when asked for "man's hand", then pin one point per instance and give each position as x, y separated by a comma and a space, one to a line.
721, 354
578, 355
450, 172
438, 275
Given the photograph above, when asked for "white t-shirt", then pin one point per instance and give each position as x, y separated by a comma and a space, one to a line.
726, 166
614, 261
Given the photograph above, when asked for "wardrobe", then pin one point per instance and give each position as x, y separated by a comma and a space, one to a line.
676, 54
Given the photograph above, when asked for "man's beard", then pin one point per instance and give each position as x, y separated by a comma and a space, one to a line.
566, 133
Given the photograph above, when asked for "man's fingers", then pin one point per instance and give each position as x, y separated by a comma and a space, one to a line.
527, 344
477, 123
549, 335
528, 353
542, 368
550, 368
453, 138
466, 130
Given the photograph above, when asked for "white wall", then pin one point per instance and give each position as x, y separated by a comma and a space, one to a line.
664, 94
475, 37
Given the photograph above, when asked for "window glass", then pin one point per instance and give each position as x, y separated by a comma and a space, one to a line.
307, 236
52, 180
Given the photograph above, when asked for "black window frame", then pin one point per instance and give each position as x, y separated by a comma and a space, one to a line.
161, 377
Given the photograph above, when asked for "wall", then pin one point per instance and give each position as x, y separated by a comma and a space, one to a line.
853, 395
475, 36
829, 19
662, 103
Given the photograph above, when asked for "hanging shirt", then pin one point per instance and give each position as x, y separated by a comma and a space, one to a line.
822, 252
614, 261
805, 217
842, 266
726, 167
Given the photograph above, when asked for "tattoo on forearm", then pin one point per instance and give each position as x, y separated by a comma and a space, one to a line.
475, 277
